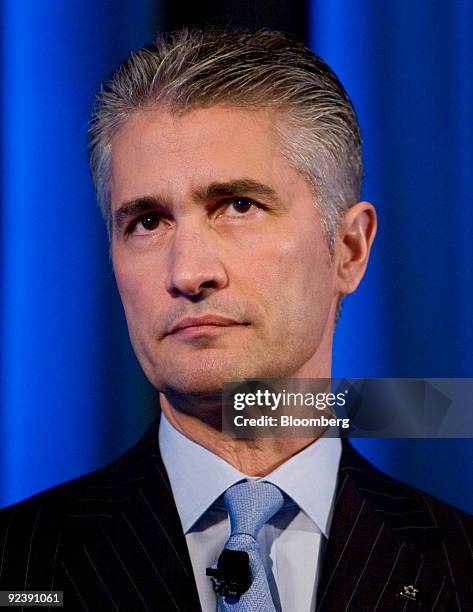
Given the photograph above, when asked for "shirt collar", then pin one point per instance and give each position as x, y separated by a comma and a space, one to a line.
198, 477
310, 479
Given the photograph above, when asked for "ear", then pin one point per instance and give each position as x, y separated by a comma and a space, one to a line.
355, 235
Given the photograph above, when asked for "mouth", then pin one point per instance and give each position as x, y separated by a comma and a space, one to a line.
202, 325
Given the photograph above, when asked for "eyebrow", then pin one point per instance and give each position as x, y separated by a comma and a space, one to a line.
138, 206
144, 204
235, 187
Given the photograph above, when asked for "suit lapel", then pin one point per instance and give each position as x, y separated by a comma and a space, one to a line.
383, 542
123, 546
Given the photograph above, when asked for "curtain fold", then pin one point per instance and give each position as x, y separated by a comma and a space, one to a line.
407, 67
68, 376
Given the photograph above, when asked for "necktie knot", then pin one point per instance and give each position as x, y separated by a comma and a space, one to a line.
251, 504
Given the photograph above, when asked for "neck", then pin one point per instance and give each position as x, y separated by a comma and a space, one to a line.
251, 456
199, 419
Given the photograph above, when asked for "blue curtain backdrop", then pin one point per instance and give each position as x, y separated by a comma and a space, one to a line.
73, 396
64, 343
407, 66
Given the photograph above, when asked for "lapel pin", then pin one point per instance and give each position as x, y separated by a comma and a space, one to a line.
409, 591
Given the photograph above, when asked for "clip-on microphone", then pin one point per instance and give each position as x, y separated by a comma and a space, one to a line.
232, 576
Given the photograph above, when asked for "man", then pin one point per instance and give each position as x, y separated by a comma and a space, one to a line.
228, 168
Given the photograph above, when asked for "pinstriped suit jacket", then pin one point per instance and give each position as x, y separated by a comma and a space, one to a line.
112, 540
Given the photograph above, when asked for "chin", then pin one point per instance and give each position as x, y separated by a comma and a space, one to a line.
206, 371
193, 381
201, 376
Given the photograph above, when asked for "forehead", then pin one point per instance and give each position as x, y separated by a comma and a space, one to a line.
156, 150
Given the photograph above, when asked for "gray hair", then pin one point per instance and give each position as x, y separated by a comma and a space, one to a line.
195, 68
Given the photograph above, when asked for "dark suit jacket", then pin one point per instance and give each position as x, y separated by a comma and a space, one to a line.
112, 540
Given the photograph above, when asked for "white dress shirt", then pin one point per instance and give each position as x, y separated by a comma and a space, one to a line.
292, 543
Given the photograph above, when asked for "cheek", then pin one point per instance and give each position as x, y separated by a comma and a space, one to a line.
303, 274
137, 291
300, 265
288, 276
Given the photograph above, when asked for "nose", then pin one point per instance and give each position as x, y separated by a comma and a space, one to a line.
195, 265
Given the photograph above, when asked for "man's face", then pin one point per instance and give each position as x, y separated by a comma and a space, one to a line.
210, 220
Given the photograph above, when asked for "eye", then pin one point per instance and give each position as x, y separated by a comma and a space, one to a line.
240, 206
145, 224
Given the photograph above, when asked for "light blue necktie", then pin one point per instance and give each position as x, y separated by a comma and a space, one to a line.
250, 505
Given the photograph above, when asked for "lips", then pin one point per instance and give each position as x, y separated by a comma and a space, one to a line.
207, 320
